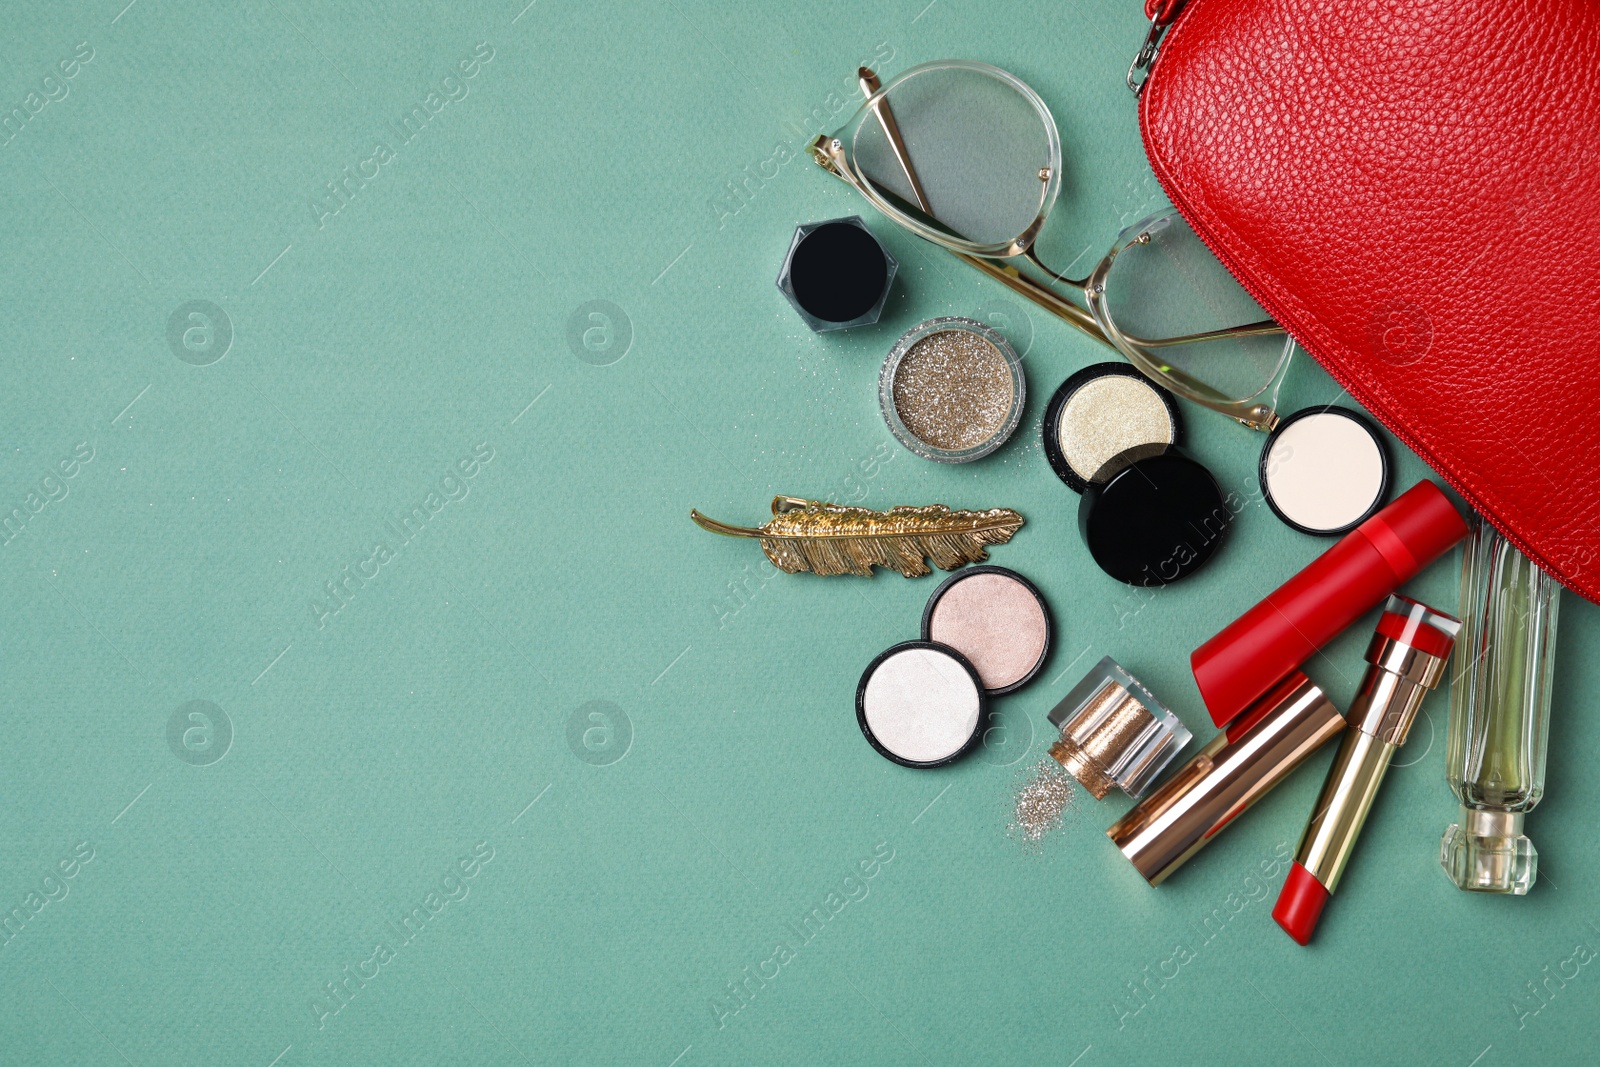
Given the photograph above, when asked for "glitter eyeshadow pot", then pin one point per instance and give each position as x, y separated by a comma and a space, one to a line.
837, 274
1101, 411
997, 619
1114, 732
952, 390
1324, 471
920, 704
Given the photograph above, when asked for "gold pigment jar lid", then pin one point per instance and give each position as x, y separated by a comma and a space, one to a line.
1236, 768
1115, 732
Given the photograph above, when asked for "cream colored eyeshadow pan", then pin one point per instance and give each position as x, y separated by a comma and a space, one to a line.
1109, 415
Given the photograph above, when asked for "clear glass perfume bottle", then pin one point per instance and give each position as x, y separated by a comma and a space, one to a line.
1499, 714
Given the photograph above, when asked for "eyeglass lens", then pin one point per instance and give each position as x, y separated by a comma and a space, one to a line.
976, 143
1164, 284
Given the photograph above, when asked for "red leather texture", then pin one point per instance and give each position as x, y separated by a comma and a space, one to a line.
1412, 188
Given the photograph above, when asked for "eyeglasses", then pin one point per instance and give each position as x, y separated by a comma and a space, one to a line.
967, 156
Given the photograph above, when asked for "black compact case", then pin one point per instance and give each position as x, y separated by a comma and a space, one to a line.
1153, 515
837, 274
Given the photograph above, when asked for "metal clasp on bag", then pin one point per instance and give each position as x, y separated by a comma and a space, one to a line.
1162, 13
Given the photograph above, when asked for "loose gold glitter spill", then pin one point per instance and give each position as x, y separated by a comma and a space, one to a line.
953, 390
1043, 798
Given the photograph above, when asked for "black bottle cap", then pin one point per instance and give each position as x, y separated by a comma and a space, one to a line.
1153, 515
837, 274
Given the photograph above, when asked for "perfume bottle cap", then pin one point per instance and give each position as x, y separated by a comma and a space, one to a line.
1487, 852
1114, 732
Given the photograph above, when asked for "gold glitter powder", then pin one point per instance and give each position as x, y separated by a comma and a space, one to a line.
953, 390
1108, 415
1043, 798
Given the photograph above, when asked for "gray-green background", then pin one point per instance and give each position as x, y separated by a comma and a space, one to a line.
642, 859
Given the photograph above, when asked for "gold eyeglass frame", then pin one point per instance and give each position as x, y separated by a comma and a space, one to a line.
829, 152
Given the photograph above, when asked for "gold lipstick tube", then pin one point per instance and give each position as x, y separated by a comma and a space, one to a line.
1380, 718
1406, 660
1233, 771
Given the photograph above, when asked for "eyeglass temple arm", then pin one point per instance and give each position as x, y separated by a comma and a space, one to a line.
1026, 287
1080, 284
1006, 274
891, 130
1264, 328
1047, 298
870, 84
1010, 276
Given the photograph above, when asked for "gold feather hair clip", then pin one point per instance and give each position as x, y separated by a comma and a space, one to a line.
809, 535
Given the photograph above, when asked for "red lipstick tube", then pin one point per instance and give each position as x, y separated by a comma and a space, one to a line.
1276, 636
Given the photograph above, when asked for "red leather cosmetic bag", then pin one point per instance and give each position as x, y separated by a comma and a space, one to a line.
1412, 189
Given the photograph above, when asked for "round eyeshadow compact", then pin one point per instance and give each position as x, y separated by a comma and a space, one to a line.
1100, 412
920, 704
952, 390
1153, 516
997, 619
1324, 470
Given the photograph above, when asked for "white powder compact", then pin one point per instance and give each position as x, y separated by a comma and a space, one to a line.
1324, 470
920, 704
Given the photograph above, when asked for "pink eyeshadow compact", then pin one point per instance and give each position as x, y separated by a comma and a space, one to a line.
997, 619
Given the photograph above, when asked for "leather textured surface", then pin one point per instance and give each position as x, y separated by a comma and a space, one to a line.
1413, 190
